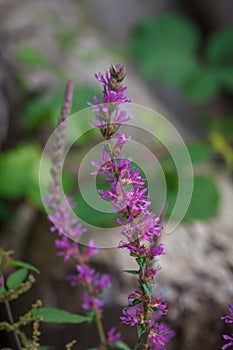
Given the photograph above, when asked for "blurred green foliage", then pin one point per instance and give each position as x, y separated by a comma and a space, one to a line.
206, 197
19, 176
158, 45
19, 172
30, 56
45, 109
167, 48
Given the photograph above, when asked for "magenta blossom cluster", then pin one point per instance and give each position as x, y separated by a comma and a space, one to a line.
228, 319
69, 231
140, 227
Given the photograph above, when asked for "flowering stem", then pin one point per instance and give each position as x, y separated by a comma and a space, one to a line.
98, 320
128, 193
11, 319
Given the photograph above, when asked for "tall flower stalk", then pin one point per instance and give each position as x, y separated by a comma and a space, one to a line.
70, 229
129, 196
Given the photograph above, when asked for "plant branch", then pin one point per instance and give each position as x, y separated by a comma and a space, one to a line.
11, 319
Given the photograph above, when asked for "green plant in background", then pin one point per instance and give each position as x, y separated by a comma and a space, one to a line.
167, 46
205, 190
220, 135
44, 109
12, 286
30, 56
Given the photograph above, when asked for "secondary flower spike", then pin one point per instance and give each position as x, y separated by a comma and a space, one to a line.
69, 229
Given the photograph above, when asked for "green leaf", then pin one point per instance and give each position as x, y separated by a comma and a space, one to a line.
16, 278
23, 264
204, 203
133, 303
6, 211
120, 345
88, 213
30, 56
147, 288
201, 85
138, 344
141, 329
141, 262
199, 152
2, 290
154, 309
53, 315
15, 182
219, 49
205, 199
225, 76
132, 272
158, 45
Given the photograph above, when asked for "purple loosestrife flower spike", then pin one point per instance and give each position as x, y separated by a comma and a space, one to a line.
129, 196
59, 144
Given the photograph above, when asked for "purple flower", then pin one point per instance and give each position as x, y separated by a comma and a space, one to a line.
159, 335
68, 248
90, 250
149, 226
134, 247
85, 273
133, 315
159, 250
113, 91
160, 305
227, 337
64, 223
228, 318
101, 282
149, 274
121, 140
90, 303
113, 336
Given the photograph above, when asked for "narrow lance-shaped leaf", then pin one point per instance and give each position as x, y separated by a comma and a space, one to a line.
120, 345
147, 288
53, 315
132, 272
23, 264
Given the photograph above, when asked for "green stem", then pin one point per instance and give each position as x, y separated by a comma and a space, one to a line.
98, 321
